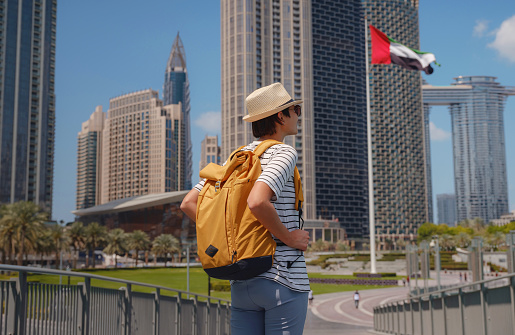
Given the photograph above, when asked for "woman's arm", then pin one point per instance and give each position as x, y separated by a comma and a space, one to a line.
189, 204
260, 205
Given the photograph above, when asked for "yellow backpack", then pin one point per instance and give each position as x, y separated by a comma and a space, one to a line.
231, 242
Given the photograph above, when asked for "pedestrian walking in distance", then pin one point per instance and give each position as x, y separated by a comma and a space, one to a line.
276, 301
356, 299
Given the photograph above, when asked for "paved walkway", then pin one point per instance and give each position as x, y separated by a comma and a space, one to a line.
334, 313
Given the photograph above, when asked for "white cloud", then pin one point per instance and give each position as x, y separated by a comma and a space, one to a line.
480, 28
210, 122
505, 39
438, 134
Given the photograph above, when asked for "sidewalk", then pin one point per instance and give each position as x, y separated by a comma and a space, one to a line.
334, 313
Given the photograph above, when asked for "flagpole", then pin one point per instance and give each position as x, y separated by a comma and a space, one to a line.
371, 213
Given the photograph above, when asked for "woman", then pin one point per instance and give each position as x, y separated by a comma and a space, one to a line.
274, 302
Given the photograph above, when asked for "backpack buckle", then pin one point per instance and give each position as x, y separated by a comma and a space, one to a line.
217, 186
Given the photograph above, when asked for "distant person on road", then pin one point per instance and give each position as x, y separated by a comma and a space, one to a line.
461, 277
404, 282
356, 299
310, 297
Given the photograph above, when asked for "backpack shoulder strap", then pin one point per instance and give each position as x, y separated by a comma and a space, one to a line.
261, 148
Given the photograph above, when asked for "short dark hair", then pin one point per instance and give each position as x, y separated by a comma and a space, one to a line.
266, 126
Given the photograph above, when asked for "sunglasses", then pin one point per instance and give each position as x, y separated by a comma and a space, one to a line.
297, 110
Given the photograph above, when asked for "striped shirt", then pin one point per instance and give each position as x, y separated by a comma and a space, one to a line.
278, 164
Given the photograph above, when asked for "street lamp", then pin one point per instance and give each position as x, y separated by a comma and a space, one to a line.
434, 243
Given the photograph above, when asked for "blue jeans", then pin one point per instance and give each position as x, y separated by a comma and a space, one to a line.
262, 306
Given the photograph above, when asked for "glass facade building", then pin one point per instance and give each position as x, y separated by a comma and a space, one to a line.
27, 101
446, 204
316, 50
401, 200
89, 149
176, 89
339, 108
476, 104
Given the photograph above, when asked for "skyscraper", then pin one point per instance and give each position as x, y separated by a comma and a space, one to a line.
316, 50
400, 185
476, 104
446, 204
176, 89
27, 101
139, 146
89, 160
209, 151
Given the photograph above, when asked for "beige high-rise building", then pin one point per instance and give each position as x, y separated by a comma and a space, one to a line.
209, 151
139, 145
88, 160
262, 43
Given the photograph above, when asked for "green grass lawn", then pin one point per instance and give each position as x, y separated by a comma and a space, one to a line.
176, 278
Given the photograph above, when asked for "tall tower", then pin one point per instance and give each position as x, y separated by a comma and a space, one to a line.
176, 89
398, 152
138, 146
318, 57
89, 160
27, 101
476, 104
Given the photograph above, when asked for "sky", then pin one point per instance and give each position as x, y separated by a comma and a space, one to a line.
105, 49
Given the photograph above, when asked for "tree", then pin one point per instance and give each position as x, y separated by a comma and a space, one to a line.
116, 244
426, 231
95, 237
446, 242
7, 231
165, 244
60, 242
463, 240
25, 220
44, 244
138, 241
77, 239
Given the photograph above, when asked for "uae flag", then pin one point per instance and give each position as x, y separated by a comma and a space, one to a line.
386, 51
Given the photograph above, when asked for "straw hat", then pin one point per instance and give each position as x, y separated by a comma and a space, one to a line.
267, 101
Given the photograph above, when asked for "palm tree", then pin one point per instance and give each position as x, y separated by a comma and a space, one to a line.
77, 239
7, 231
138, 241
116, 243
44, 244
26, 219
60, 242
165, 244
95, 237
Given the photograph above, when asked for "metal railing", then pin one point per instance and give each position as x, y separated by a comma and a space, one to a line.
37, 308
481, 307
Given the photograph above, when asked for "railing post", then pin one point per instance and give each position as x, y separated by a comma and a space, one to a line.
157, 305
512, 302
412, 316
398, 319
218, 321
483, 308
405, 321
11, 308
21, 284
83, 312
444, 308
178, 314
462, 312
208, 314
432, 316
195, 315
128, 310
421, 316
